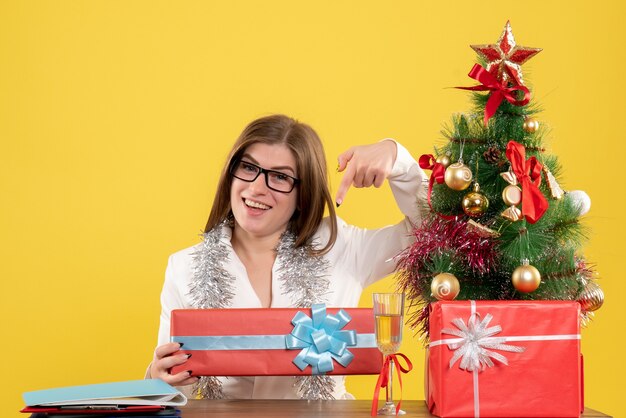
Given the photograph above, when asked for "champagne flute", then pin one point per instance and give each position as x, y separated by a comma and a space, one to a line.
389, 311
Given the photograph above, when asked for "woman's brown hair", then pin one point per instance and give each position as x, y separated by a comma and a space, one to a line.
313, 192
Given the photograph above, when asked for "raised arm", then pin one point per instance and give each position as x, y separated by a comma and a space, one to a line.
371, 253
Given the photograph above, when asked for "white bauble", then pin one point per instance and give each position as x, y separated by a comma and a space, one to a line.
581, 200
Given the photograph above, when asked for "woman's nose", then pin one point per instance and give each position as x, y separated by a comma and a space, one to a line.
259, 185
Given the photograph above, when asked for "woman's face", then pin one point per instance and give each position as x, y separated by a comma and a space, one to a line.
259, 211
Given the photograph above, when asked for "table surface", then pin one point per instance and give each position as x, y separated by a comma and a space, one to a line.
262, 408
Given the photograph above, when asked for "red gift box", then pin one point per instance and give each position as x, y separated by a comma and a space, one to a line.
509, 359
277, 341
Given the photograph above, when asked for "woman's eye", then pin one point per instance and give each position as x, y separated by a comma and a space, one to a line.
280, 177
248, 167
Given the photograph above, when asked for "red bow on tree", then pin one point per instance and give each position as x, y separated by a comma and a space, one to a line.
428, 162
528, 173
499, 91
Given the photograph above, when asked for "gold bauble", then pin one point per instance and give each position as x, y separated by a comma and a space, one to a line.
512, 195
458, 176
591, 298
475, 203
445, 286
444, 160
526, 278
530, 125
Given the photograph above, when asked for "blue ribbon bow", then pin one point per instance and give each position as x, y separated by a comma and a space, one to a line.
321, 340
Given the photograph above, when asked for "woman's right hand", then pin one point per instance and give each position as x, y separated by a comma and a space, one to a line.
167, 356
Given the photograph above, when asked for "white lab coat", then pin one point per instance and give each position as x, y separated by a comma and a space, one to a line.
359, 258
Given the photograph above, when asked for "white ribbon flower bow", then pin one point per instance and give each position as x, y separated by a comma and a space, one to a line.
476, 342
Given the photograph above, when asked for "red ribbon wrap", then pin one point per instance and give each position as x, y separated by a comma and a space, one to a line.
383, 379
499, 91
528, 173
428, 162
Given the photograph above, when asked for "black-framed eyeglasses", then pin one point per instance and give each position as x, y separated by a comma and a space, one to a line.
274, 180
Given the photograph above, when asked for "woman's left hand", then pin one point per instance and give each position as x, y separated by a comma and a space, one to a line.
365, 166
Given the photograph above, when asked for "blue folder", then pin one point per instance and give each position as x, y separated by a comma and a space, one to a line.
132, 392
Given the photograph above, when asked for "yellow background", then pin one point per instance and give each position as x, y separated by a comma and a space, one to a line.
116, 116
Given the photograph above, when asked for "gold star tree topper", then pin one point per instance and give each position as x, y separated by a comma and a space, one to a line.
505, 57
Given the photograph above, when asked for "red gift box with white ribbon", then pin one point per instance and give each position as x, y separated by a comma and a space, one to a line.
504, 359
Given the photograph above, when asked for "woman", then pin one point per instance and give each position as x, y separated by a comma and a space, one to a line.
268, 244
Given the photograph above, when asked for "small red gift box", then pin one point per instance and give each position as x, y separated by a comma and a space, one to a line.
505, 359
277, 341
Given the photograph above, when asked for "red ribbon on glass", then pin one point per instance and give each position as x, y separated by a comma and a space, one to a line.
383, 378
499, 91
528, 173
428, 162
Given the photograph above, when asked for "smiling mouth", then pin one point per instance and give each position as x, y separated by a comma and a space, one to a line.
256, 205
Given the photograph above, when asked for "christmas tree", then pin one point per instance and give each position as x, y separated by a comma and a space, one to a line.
499, 226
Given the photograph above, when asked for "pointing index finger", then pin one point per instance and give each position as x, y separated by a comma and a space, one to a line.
345, 184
